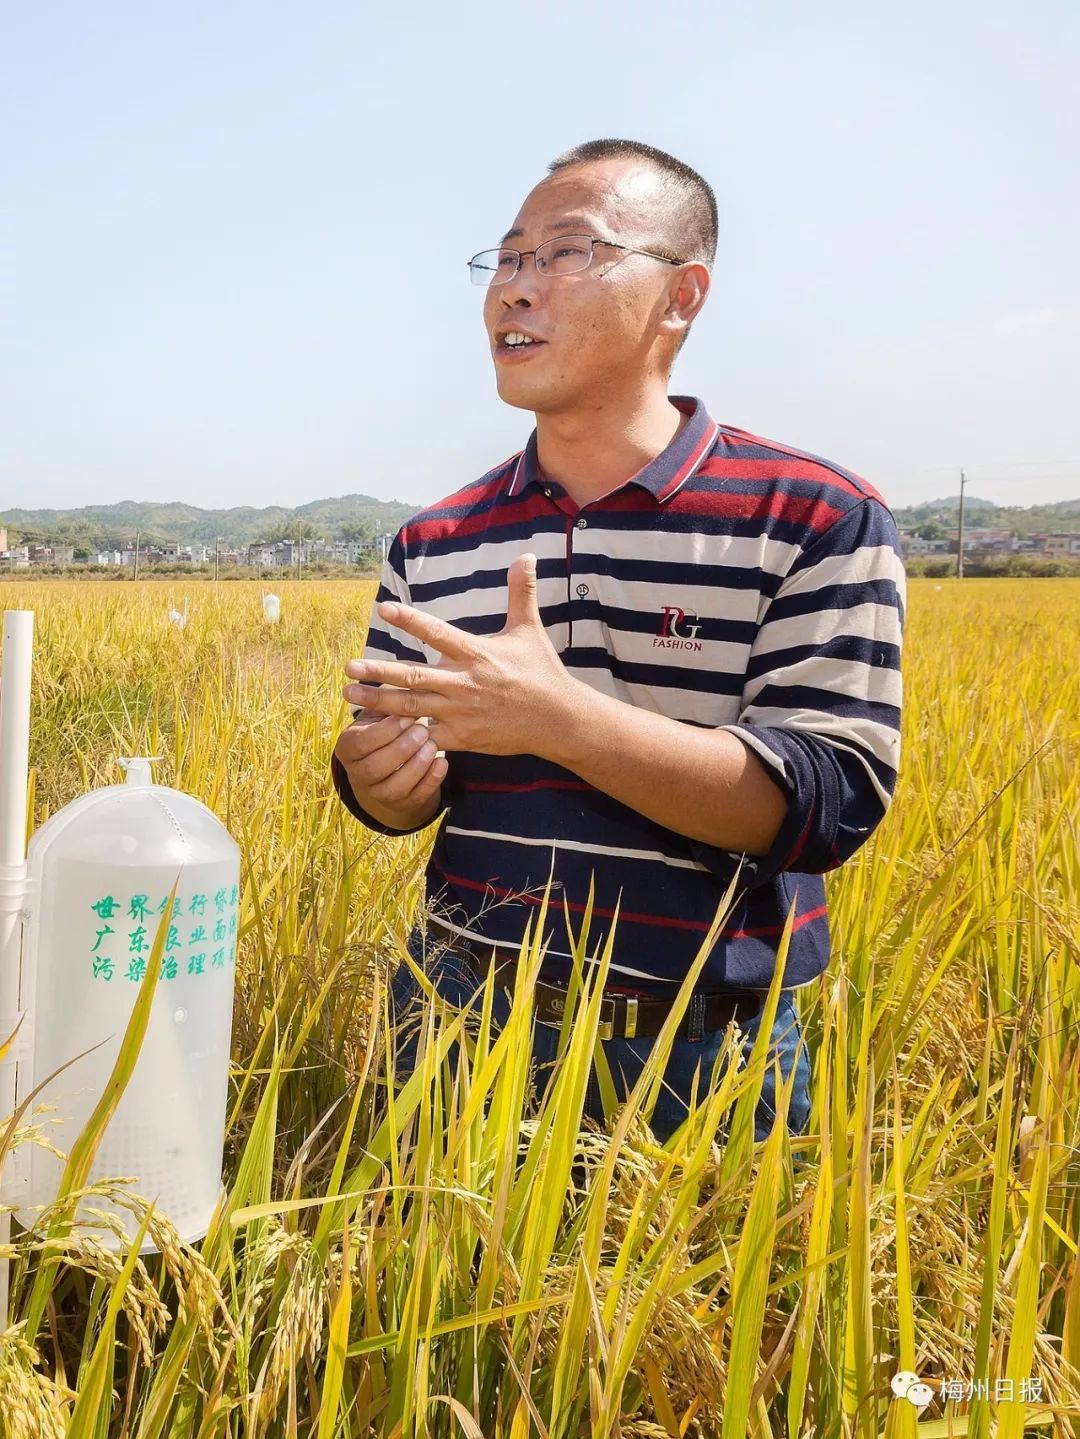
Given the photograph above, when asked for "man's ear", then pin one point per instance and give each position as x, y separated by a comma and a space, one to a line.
687, 293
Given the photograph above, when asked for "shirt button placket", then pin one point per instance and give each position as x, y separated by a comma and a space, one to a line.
582, 589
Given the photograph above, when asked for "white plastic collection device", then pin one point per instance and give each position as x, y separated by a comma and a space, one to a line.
95, 883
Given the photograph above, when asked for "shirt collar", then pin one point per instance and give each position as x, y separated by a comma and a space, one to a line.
661, 476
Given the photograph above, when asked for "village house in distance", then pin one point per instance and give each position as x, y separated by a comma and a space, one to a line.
979, 542
281, 554
918, 541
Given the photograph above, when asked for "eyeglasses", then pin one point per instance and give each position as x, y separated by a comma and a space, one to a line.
564, 255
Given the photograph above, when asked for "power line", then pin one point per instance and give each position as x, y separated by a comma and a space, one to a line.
988, 482
1018, 464
1006, 465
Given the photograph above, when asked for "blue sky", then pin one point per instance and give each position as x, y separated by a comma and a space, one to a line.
235, 235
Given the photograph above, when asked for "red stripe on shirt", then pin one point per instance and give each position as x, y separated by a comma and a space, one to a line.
791, 509
759, 932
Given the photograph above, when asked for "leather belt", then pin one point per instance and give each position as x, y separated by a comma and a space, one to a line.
622, 1016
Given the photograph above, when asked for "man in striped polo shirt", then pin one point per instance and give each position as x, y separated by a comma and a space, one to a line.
699, 676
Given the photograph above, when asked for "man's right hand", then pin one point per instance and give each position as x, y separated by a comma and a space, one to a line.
395, 774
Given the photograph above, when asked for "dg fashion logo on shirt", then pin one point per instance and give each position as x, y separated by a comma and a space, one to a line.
676, 632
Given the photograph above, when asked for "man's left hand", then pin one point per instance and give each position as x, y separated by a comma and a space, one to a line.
503, 694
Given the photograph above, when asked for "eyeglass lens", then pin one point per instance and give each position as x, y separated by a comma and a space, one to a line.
560, 256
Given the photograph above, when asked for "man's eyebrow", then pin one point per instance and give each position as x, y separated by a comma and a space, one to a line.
565, 226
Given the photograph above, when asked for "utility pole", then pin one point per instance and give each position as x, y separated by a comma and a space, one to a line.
960, 538
135, 576
217, 554
300, 550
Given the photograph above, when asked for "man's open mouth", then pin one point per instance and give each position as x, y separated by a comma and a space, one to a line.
516, 343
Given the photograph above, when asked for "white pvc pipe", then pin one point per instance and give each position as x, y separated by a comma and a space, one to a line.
15, 677
18, 654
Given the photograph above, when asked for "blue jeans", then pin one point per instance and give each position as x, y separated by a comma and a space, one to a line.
454, 979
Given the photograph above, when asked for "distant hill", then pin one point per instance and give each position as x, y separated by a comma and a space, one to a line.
1024, 519
343, 516
362, 516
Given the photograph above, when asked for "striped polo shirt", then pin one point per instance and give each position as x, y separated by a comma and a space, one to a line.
733, 583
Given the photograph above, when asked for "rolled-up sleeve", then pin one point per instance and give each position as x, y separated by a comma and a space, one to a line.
387, 642
821, 705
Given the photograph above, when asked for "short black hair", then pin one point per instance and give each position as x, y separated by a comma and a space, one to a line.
690, 220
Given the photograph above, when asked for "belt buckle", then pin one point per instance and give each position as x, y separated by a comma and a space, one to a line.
606, 1027
631, 1017
555, 1002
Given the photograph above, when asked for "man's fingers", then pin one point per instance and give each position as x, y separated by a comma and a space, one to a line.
374, 746
369, 730
369, 718
416, 780
402, 773
439, 634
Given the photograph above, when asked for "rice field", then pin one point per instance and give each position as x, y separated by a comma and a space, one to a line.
472, 1262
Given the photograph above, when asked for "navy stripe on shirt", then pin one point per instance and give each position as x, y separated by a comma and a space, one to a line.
733, 583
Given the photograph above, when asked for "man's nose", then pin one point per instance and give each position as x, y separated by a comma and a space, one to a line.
524, 287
